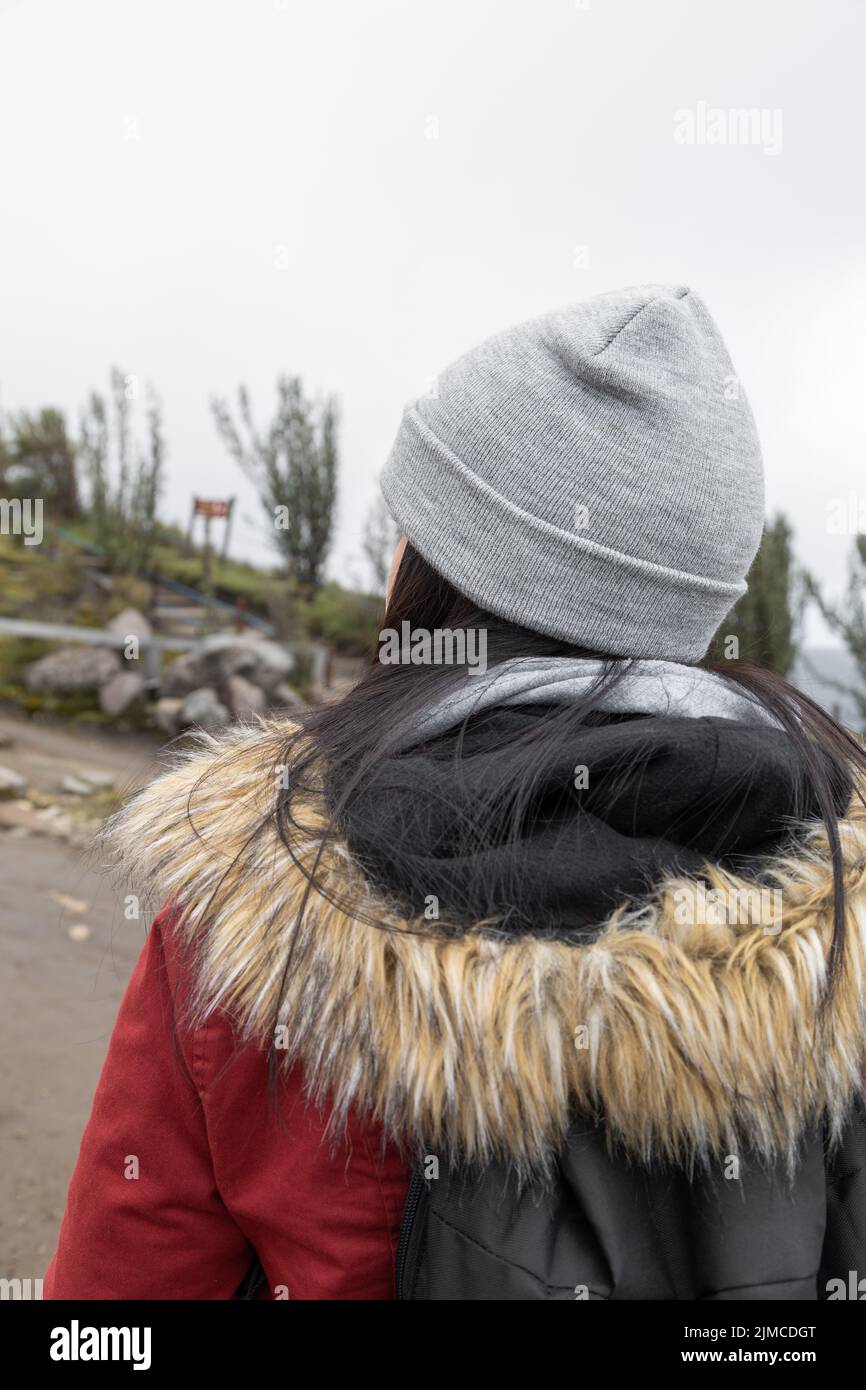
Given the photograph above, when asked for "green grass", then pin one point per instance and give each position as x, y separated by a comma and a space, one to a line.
350, 620
39, 581
81, 707
18, 652
230, 579
49, 583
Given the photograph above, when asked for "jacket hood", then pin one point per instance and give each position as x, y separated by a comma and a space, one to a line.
688, 1033
609, 807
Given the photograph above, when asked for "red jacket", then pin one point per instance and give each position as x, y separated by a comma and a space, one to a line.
469, 1045
222, 1174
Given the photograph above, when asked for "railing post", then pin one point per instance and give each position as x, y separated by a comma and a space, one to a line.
152, 664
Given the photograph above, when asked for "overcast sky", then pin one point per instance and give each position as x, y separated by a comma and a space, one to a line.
213, 191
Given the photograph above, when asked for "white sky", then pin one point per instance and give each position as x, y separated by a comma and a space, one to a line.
304, 125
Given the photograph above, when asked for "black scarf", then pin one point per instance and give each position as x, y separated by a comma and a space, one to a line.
435, 826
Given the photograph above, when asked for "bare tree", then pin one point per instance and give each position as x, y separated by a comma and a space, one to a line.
124, 482
39, 461
293, 466
848, 620
380, 536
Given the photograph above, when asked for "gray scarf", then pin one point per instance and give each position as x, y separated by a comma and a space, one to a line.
647, 687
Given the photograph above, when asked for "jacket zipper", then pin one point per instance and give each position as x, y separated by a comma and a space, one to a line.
415, 1192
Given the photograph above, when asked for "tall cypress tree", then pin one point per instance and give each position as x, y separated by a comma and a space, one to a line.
848, 621
765, 621
294, 466
40, 461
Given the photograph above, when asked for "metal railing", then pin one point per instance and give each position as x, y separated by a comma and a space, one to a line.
240, 614
151, 647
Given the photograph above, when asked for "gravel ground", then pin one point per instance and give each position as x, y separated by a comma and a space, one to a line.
59, 993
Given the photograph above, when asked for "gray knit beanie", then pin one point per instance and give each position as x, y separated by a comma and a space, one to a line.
594, 474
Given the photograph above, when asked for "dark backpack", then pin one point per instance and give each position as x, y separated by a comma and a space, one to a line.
604, 1228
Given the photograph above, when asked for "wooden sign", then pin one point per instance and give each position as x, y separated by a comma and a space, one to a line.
212, 509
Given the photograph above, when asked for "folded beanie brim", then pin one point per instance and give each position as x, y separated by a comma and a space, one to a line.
489, 549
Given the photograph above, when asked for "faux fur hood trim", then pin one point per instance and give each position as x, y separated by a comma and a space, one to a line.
689, 1041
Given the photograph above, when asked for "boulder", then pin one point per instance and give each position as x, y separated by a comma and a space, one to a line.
223, 654
71, 669
56, 822
75, 906
286, 697
130, 623
97, 778
272, 665
75, 786
23, 817
262, 662
244, 699
166, 713
184, 675
12, 784
116, 696
204, 709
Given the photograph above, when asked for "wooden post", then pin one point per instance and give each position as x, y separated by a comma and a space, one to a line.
191, 526
207, 559
228, 528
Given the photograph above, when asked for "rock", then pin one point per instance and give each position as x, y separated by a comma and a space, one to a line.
262, 662
244, 699
74, 906
23, 815
75, 786
166, 713
12, 784
130, 623
70, 669
286, 696
81, 833
56, 822
98, 779
223, 655
116, 696
6, 739
183, 676
204, 709
79, 931
271, 665
210, 663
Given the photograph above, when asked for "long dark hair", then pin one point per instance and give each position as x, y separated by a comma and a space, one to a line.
338, 747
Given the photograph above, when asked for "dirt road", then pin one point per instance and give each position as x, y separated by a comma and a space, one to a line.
58, 992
